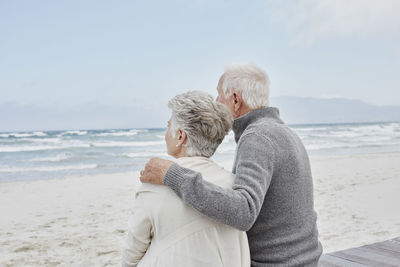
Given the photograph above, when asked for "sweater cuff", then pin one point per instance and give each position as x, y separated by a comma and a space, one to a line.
175, 177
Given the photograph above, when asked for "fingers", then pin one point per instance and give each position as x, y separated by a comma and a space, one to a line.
143, 178
155, 170
151, 162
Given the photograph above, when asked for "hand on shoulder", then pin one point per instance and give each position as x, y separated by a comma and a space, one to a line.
155, 170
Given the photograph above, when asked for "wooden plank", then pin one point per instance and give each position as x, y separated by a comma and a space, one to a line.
396, 239
382, 254
360, 256
328, 260
389, 257
388, 245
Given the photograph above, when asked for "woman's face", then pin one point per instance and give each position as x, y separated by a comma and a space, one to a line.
171, 142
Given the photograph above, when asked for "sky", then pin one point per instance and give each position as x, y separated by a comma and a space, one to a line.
141, 53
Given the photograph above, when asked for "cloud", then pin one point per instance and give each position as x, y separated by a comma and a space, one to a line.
313, 20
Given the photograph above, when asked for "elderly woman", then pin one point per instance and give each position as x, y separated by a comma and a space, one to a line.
163, 231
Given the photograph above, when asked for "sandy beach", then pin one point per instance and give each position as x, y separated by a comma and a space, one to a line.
81, 221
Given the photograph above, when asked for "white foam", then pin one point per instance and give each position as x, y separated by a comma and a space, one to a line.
48, 168
74, 133
24, 148
117, 134
144, 154
308, 129
57, 158
39, 134
131, 132
19, 135
128, 144
79, 144
42, 140
44, 147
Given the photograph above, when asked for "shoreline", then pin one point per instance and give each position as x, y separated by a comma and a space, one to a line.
81, 220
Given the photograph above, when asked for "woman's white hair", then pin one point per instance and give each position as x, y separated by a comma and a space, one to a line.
205, 122
248, 80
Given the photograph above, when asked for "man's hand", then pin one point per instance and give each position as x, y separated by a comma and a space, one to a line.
155, 170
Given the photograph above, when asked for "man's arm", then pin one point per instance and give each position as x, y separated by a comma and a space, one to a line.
238, 207
139, 233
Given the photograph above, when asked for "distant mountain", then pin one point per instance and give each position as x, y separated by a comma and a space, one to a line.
305, 110
294, 110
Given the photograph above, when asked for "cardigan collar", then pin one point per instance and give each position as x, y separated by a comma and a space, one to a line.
241, 123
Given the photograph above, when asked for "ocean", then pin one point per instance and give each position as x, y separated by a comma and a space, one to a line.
58, 154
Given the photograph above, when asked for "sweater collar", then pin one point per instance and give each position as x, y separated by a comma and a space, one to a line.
241, 123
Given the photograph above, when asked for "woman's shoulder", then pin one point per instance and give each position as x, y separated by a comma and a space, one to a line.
151, 189
210, 170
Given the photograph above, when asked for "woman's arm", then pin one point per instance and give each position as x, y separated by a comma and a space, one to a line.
139, 234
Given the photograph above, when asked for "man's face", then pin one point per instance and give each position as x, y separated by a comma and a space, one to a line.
222, 98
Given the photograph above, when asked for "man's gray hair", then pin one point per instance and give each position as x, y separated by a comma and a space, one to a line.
250, 81
205, 122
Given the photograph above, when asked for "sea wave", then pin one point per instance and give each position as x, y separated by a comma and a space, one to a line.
76, 132
144, 155
117, 149
116, 134
120, 133
308, 129
42, 140
49, 168
20, 135
127, 144
56, 158
39, 148
77, 144
24, 148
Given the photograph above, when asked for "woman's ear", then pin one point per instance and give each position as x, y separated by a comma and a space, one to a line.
181, 136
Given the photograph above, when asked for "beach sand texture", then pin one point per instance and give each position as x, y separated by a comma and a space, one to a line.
81, 221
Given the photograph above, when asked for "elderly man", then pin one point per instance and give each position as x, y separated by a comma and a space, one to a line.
272, 196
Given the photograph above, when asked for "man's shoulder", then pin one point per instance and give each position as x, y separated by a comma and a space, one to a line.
261, 130
265, 127
265, 132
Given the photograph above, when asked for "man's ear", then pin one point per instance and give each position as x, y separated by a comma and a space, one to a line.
237, 101
182, 138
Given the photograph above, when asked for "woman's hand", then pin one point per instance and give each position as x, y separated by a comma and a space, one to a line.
155, 170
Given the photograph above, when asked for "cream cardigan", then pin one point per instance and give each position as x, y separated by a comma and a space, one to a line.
163, 231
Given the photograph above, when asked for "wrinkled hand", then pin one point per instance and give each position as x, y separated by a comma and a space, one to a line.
155, 170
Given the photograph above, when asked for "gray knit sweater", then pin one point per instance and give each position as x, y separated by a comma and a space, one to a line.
272, 198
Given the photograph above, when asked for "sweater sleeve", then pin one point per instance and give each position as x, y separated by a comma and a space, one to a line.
139, 233
240, 205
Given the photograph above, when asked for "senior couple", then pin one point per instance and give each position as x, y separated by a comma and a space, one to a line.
192, 212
